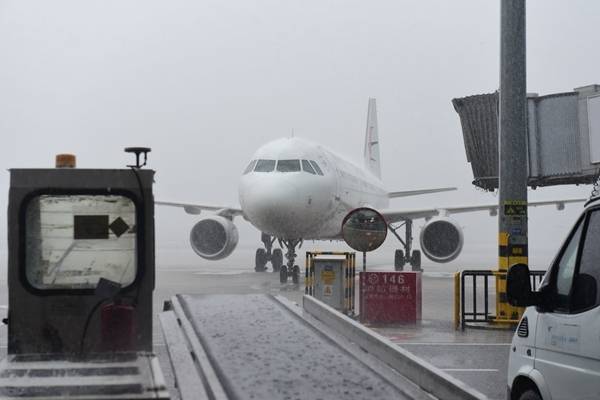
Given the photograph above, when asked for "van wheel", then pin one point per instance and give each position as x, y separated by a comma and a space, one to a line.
530, 395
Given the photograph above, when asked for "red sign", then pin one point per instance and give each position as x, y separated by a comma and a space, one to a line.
390, 297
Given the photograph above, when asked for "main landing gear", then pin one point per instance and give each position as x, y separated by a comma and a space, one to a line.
290, 268
403, 257
275, 256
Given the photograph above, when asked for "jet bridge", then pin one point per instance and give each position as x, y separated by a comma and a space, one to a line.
563, 137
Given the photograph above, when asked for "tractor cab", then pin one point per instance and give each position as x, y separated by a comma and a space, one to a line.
80, 284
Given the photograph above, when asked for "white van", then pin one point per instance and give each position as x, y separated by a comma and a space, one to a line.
555, 352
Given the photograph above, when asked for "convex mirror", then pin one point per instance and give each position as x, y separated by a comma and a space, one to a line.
364, 229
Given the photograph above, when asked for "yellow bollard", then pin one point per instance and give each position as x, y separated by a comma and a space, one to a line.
456, 300
508, 255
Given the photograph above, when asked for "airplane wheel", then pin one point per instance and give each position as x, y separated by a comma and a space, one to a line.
415, 260
296, 275
283, 274
399, 260
277, 260
260, 260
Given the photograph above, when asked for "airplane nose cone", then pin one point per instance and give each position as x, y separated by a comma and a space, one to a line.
278, 208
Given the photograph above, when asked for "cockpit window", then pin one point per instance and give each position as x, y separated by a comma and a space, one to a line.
264, 166
288, 165
306, 167
250, 167
316, 167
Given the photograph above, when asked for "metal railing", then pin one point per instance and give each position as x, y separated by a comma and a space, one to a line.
478, 305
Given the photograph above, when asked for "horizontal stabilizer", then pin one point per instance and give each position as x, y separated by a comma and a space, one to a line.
407, 193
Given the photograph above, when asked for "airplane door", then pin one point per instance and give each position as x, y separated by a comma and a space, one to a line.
568, 339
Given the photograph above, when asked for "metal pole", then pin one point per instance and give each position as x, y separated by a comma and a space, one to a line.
364, 261
512, 238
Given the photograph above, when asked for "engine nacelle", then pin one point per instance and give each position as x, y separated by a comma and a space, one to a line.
441, 240
214, 237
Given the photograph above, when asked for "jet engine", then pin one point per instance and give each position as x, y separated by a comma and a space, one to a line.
441, 240
214, 237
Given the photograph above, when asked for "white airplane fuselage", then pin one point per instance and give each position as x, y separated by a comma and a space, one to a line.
302, 205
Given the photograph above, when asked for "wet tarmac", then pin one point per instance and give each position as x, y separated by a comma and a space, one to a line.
476, 356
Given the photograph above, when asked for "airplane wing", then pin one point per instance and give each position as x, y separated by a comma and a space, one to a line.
392, 216
406, 193
196, 209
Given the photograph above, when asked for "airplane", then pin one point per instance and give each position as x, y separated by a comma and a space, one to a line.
294, 190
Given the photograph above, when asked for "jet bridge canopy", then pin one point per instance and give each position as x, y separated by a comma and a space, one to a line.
563, 137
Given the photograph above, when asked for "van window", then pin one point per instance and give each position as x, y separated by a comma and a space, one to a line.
588, 277
288, 165
264, 166
566, 270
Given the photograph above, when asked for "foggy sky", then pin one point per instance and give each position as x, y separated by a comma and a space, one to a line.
204, 83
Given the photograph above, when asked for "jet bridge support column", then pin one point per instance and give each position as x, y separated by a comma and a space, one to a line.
512, 238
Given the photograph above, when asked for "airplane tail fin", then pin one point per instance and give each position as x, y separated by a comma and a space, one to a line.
371, 152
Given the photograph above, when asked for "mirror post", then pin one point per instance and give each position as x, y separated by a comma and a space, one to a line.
364, 261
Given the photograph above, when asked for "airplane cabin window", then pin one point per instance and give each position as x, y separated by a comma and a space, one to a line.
250, 167
316, 167
264, 166
306, 167
288, 165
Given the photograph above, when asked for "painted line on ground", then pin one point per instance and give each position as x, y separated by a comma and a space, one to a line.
448, 344
469, 370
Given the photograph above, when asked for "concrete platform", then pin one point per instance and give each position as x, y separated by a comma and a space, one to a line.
261, 348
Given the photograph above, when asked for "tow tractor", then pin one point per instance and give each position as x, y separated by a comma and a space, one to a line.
80, 283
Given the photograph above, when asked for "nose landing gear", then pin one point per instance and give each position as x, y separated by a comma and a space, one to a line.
290, 268
275, 256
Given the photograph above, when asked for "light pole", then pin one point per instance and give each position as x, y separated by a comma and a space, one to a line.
513, 168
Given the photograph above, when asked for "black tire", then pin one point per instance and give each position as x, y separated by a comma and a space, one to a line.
296, 275
277, 260
399, 260
260, 260
415, 260
530, 394
283, 274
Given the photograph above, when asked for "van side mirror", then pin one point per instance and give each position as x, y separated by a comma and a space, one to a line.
518, 286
